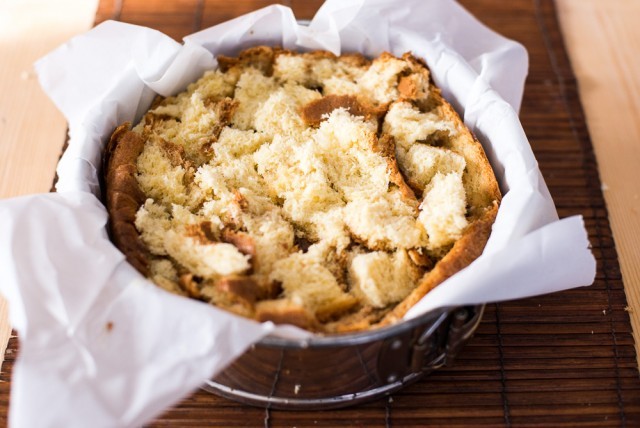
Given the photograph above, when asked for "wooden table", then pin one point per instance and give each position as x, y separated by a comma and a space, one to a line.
523, 366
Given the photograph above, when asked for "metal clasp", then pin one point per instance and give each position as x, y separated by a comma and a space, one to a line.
425, 351
430, 353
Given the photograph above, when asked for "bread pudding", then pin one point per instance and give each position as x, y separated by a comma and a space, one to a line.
329, 192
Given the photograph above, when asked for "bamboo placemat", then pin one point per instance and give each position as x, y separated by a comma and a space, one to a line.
564, 359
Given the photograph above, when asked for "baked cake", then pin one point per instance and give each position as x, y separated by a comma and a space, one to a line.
329, 192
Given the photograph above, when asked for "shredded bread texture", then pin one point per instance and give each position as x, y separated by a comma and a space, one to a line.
327, 192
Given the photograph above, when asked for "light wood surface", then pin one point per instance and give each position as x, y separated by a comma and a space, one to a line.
32, 130
601, 38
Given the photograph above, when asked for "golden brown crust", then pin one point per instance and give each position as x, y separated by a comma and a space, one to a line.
224, 108
286, 312
354, 59
242, 287
316, 111
123, 195
242, 241
259, 57
121, 179
188, 284
479, 180
420, 259
201, 232
157, 102
336, 310
386, 147
174, 153
407, 88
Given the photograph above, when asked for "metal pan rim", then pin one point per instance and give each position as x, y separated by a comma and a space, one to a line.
436, 316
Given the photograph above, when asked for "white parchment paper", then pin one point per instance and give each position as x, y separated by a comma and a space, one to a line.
102, 346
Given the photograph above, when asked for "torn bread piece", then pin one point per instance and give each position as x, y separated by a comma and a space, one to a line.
328, 192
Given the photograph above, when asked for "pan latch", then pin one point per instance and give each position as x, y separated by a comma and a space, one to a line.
421, 351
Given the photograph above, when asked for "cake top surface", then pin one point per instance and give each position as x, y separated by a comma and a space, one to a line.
311, 189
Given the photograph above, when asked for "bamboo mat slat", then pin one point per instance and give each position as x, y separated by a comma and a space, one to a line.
564, 359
